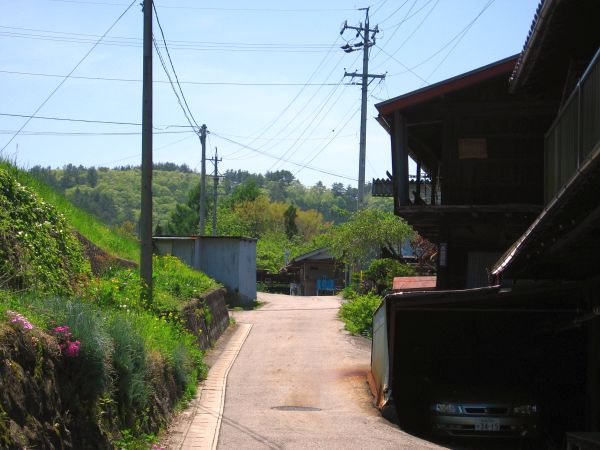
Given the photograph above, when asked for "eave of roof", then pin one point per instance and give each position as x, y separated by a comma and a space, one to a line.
530, 48
453, 84
309, 255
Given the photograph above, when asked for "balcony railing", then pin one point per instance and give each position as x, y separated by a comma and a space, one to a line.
575, 133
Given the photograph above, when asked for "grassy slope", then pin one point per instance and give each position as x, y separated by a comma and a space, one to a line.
105, 238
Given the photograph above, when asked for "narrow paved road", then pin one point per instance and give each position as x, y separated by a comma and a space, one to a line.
299, 381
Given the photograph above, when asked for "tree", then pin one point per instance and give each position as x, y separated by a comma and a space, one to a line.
244, 192
367, 232
283, 176
92, 177
381, 272
289, 217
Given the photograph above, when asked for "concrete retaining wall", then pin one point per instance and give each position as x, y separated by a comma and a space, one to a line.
207, 317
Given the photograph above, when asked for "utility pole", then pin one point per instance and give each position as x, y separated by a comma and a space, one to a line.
367, 42
203, 181
146, 201
216, 160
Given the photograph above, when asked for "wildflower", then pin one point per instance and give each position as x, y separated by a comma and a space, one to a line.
68, 346
72, 349
20, 319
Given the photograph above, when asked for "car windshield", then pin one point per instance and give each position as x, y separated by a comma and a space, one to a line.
480, 371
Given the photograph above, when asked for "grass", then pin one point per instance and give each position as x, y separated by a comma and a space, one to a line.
175, 283
115, 349
357, 313
120, 245
124, 345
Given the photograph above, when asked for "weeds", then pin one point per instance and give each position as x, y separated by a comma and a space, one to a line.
357, 313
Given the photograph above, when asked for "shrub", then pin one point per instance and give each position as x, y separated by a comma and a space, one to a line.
37, 249
129, 363
381, 273
357, 314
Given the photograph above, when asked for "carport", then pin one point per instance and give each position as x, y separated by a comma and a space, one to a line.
528, 338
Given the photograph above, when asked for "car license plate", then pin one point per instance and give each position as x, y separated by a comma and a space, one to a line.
487, 425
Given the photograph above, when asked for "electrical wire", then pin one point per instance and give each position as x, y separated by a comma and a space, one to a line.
66, 119
446, 45
88, 133
486, 6
320, 151
394, 12
408, 69
134, 80
67, 76
315, 115
137, 155
289, 105
295, 119
173, 67
258, 10
417, 28
288, 161
77, 38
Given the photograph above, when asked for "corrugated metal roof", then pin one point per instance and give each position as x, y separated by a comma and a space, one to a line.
410, 283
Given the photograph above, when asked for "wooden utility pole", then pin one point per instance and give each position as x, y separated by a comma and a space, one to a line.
367, 42
146, 201
216, 160
203, 181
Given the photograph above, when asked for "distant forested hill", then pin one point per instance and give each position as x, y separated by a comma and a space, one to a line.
113, 195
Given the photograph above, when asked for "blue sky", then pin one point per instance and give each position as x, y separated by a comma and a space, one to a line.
266, 77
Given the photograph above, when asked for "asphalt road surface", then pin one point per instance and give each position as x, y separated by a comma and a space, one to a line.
299, 381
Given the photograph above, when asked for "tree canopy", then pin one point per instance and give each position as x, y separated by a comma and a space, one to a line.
367, 232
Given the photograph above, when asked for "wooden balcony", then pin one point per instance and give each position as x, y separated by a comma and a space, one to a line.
575, 133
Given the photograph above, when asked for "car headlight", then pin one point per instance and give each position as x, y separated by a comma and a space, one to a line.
525, 410
447, 408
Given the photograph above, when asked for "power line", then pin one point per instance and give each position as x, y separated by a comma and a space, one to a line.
67, 77
327, 144
447, 44
287, 160
291, 102
179, 45
408, 37
137, 80
321, 138
295, 119
394, 12
258, 10
173, 68
314, 116
157, 127
486, 6
408, 17
128, 39
408, 69
66, 119
87, 133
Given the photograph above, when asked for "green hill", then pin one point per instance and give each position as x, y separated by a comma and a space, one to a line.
113, 195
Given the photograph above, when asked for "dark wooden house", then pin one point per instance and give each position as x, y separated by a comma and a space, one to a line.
514, 153
481, 151
561, 62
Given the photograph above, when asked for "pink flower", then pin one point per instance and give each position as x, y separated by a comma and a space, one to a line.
63, 329
72, 349
19, 318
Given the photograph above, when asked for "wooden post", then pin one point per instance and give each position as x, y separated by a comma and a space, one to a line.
400, 160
